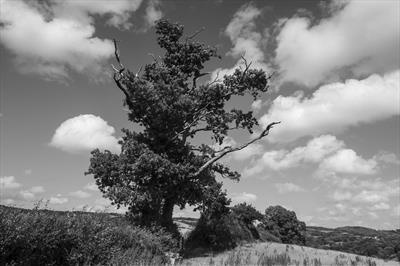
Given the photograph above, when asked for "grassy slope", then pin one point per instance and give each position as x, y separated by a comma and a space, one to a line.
282, 254
44, 237
350, 239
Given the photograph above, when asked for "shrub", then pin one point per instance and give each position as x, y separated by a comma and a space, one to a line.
42, 237
246, 213
284, 224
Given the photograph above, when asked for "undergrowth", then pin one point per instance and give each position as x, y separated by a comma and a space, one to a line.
42, 237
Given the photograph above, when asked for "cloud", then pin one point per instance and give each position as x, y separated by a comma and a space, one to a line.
256, 105
116, 12
341, 195
246, 41
84, 133
31, 193
37, 189
91, 186
363, 36
9, 182
333, 108
387, 157
380, 206
287, 188
347, 161
326, 151
153, 12
58, 200
58, 36
314, 151
80, 194
374, 192
28, 171
244, 197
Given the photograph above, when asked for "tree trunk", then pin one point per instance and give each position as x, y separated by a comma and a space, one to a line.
166, 216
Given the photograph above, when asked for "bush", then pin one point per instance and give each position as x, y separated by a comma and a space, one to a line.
246, 213
284, 224
42, 237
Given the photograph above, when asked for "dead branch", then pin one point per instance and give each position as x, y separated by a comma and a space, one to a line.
116, 52
216, 79
195, 34
119, 75
264, 133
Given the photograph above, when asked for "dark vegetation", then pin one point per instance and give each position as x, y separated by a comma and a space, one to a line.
238, 225
283, 224
384, 244
44, 237
161, 167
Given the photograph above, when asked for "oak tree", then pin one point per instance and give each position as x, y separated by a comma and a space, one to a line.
159, 166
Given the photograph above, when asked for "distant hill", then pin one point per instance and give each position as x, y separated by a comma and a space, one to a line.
383, 244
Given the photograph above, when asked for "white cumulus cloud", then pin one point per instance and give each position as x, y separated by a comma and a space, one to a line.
335, 107
363, 36
347, 161
84, 133
52, 38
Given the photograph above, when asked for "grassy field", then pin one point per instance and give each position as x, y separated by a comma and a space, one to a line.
271, 254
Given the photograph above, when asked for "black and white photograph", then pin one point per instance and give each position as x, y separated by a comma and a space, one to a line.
200, 132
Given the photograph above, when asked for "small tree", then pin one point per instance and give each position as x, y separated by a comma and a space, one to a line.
247, 213
159, 167
284, 224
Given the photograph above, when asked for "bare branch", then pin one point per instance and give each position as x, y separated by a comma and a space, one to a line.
264, 133
137, 73
119, 75
195, 34
216, 79
116, 52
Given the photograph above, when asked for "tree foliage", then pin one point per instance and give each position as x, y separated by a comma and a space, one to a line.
285, 225
246, 212
160, 167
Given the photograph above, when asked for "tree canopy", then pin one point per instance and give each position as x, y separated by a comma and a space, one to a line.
160, 167
285, 225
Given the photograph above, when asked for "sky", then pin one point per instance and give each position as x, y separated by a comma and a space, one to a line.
334, 159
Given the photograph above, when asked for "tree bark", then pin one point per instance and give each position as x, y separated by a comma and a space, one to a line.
167, 212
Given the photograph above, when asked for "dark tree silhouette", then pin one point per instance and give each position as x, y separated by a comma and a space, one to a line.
285, 225
160, 167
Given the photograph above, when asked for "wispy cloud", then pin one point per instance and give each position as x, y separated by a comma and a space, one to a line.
288, 187
244, 197
9, 182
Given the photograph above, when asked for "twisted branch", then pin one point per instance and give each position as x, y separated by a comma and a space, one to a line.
224, 152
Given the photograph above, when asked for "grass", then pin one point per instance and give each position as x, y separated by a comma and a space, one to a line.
42, 237
272, 254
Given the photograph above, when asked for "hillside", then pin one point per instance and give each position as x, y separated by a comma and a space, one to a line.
270, 254
383, 244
